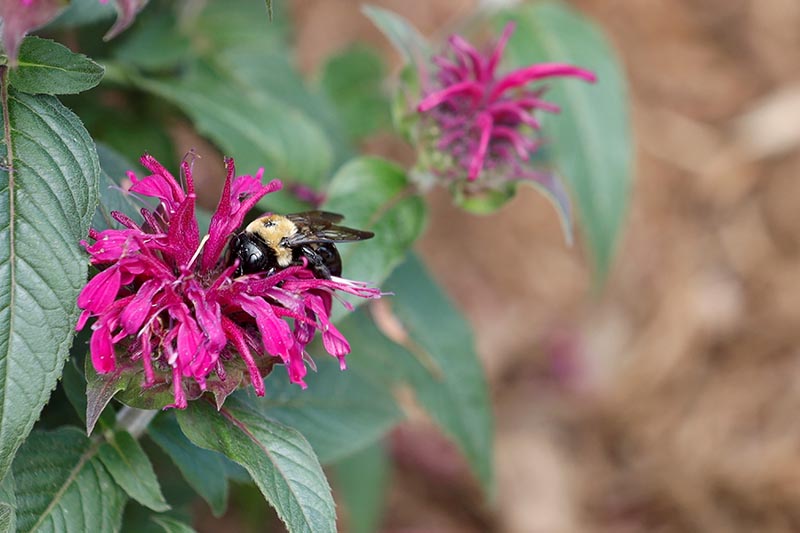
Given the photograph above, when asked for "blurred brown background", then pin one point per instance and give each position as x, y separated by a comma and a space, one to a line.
670, 402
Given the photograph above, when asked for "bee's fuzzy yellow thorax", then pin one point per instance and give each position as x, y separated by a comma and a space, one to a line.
272, 229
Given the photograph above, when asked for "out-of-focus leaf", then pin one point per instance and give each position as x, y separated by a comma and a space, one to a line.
340, 412
278, 458
82, 12
170, 525
362, 479
47, 67
449, 381
203, 470
406, 39
352, 80
61, 485
590, 138
250, 126
375, 195
46, 203
112, 197
130, 467
155, 44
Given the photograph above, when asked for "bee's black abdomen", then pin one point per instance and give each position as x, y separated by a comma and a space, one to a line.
331, 258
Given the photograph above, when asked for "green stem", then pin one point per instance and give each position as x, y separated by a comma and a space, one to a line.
134, 421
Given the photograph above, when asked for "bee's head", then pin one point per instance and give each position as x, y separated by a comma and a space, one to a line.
272, 229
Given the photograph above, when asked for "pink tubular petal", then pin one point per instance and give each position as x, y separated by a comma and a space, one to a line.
236, 336
20, 18
434, 99
238, 197
147, 358
296, 366
484, 124
101, 290
140, 307
515, 138
538, 103
102, 351
466, 50
497, 54
177, 388
126, 13
537, 72
183, 237
275, 333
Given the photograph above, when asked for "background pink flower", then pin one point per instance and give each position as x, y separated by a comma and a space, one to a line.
485, 122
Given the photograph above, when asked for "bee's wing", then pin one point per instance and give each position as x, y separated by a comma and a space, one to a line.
312, 218
330, 234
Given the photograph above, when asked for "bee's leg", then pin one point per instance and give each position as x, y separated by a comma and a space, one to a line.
316, 261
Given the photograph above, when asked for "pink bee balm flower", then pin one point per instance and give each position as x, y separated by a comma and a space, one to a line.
485, 123
166, 300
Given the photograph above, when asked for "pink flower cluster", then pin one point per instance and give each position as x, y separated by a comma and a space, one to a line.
168, 300
485, 122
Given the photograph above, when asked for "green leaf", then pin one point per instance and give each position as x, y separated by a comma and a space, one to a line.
340, 412
62, 485
401, 33
362, 480
8, 504
131, 469
353, 81
74, 388
82, 12
278, 458
100, 389
203, 470
247, 123
112, 196
375, 195
590, 138
154, 44
449, 380
170, 525
47, 67
46, 204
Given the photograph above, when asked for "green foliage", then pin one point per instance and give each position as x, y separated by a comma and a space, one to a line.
46, 204
375, 195
449, 381
353, 81
125, 459
47, 67
202, 469
62, 486
361, 480
340, 412
278, 458
438, 361
170, 525
590, 138
401, 33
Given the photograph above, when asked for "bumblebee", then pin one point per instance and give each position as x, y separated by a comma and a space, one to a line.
274, 242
